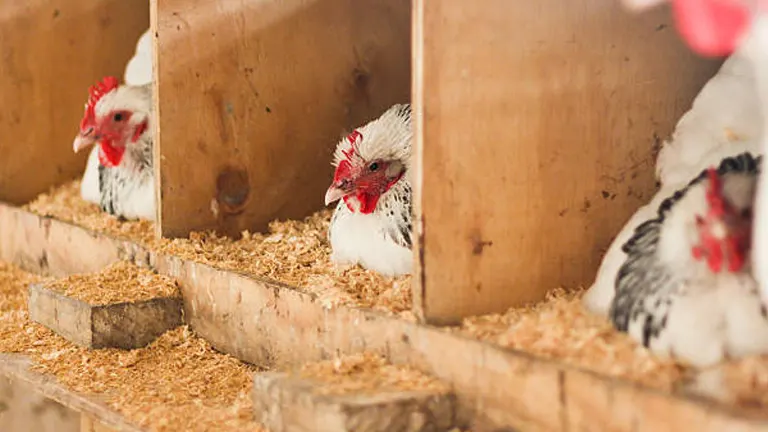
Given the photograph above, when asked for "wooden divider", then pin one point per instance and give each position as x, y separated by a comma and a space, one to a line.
537, 125
254, 96
50, 52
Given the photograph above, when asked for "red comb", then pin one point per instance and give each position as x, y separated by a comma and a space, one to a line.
353, 138
711, 27
95, 93
714, 194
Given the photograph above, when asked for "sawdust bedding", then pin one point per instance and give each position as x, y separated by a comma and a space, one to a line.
120, 282
177, 383
367, 373
559, 328
295, 253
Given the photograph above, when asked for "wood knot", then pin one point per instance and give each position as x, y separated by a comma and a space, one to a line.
232, 190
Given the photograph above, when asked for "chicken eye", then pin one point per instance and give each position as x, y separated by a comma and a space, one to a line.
118, 117
374, 166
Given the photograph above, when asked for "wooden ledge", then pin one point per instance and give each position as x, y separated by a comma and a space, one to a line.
16, 367
271, 324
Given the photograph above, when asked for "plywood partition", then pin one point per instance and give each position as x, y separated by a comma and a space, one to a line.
50, 52
536, 129
253, 97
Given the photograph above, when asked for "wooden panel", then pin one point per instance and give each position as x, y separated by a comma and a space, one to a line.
24, 410
250, 113
53, 248
274, 325
17, 368
537, 125
51, 51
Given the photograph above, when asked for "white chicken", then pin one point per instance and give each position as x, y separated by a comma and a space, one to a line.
372, 222
137, 72
117, 118
686, 289
724, 120
717, 27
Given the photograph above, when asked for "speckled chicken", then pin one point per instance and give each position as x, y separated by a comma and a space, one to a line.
117, 119
686, 289
138, 72
372, 222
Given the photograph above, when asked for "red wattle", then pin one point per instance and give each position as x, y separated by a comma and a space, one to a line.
711, 27
110, 156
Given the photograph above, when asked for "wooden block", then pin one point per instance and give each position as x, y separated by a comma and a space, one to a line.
537, 125
118, 325
270, 324
284, 403
248, 117
52, 50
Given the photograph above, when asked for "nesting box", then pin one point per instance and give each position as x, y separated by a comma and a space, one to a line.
536, 130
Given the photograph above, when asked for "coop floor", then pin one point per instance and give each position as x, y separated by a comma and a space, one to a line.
297, 254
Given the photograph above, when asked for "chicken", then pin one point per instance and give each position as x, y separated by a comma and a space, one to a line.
717, 27
371, 225
137, 72
686, 288
117, 118
724, 120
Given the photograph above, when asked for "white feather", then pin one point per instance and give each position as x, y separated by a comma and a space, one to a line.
757, 48
359, 238
139, 69
89, 186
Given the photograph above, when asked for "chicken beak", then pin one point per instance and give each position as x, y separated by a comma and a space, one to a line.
334, 194
84, 140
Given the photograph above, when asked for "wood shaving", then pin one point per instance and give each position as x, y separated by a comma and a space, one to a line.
295, 253
64, 203
560, 328
367, 373
118, 283
176, 383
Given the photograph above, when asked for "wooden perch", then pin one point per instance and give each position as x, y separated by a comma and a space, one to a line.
117, 325
284, 403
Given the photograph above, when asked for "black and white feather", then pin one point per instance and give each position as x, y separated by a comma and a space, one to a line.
128, 190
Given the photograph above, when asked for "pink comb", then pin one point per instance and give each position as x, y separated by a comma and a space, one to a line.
711, 27
96, 92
